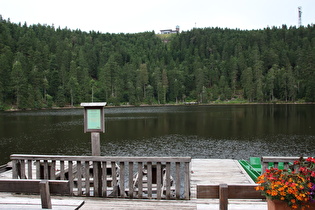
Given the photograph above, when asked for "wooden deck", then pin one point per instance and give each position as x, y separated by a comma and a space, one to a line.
203, 171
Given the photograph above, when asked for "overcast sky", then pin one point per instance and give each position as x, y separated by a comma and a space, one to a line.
133, 16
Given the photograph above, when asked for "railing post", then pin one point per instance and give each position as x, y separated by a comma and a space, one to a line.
187, 180
223, 196
45, 194
14, 169
131, 179
177, 172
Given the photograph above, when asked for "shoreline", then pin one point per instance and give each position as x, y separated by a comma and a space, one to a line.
227, 103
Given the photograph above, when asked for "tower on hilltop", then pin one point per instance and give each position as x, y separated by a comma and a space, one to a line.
300, 16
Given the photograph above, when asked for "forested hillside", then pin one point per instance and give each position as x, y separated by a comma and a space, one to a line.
42, 66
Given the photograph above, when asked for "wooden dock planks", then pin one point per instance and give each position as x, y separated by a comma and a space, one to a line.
217, 171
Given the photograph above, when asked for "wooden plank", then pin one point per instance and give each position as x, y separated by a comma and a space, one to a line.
244, 191
19, 185
29, 169
278, 159
33, 202
22, 169
100, 158
187, 180
114, 179
158, 180
122, 179
87, 178
45, 194
14, 169
130, 180
104, 179
62, 170
70, 176
223, 196
95, 179
32, 186
272, 159
79, 178
208, 191
37, 163
149, 174
95, 142
177, 182
52, 172
46, 169
168, 180
60, 187
140, 180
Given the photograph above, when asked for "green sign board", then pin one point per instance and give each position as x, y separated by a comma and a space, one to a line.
94, 119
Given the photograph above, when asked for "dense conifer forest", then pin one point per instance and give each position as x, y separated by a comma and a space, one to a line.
42, 66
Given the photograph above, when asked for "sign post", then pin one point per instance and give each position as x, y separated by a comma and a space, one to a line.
94, 123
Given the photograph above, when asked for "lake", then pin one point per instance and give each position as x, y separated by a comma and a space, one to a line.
215, 131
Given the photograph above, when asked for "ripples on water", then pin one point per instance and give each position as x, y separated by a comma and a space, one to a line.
198, 131
196, 147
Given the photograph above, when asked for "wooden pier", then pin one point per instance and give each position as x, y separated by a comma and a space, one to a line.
202, 172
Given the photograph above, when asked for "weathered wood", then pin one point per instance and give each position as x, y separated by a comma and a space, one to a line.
104, 179
223, 192
45, 194
72, 168
159, 180
37, 163
29, 168
244, 191
223, 196
100, 158
168, 180
122, 179
130, 180
265, 160
52, 174
70, 176
187, 180
45, 169
22, 169
140, 180
114, 180
96, 179
79, 178
177, 172
44, 187
149, 174
14, 169
208, 191
235, 191
62, 170
96, 146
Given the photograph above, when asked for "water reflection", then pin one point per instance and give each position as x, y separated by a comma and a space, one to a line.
233, 131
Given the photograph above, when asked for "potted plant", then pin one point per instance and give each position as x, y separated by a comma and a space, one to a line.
293, 189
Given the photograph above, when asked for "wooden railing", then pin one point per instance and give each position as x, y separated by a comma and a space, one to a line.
124, 177
223, 192
276, 160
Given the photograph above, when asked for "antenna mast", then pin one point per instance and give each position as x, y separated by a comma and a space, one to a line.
300, 16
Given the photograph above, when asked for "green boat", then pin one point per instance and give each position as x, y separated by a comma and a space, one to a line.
253, 167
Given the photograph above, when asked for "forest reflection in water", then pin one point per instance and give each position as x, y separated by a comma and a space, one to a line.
215, 131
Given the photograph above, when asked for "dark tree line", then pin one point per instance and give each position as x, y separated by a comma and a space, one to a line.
42, 66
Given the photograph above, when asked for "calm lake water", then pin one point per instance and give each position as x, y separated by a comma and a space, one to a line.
218, 131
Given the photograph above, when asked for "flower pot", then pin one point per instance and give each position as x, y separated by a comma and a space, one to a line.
281, 205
